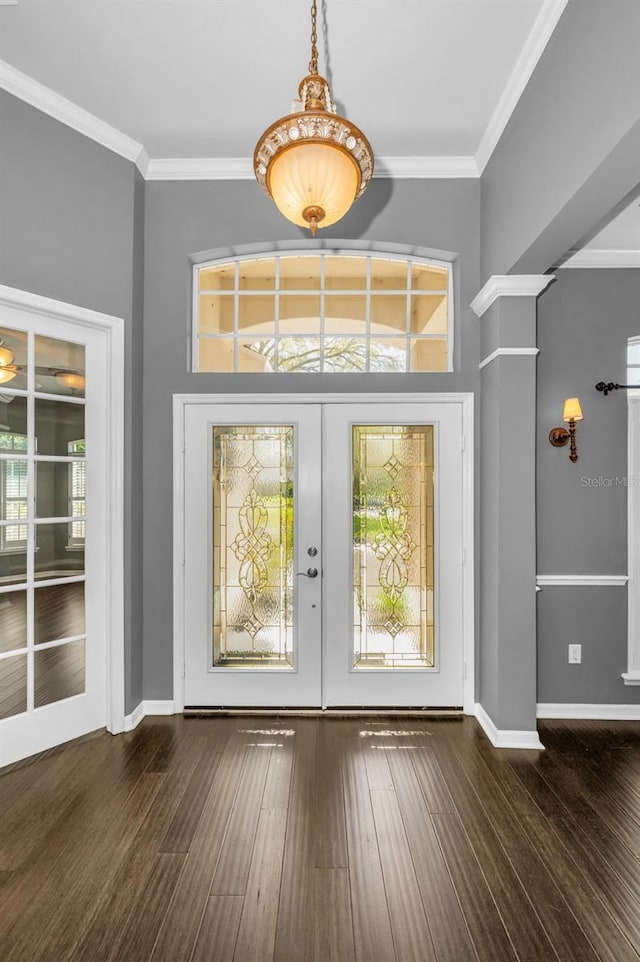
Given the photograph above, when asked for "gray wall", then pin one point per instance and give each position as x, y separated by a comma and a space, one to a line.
571, 149
584, 320
68, 231
184, 218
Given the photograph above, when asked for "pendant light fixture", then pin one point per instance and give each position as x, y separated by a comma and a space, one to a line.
313, 163
8, 369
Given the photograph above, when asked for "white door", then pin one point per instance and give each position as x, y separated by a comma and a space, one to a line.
253, 529
323, 555
53, 532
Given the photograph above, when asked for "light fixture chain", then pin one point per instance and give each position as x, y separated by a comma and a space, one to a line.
313, 63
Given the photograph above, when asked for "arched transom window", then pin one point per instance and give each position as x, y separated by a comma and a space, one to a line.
322, 312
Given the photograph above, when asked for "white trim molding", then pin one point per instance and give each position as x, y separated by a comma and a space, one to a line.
602, 712
592, 259
241, 168
148, 708
507, 738
509, 285
587, 581
632, 675
508, 352
544, 25
59, 108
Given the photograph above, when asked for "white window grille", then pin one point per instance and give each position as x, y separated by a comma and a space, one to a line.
322, 312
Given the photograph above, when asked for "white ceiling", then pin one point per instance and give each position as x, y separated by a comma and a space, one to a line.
430, 81
203, 78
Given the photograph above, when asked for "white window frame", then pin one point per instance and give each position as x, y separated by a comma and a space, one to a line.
410, 257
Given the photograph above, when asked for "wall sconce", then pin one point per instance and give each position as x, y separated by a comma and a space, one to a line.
558, 437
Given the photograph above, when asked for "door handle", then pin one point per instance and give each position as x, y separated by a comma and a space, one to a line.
309, 573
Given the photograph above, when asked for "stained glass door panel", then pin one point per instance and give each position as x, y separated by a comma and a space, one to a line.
253, 530
252, 537
393, 624
393, 546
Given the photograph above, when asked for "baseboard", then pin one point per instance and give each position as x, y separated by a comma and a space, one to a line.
506, 738
147, 708
133, 720
602, 712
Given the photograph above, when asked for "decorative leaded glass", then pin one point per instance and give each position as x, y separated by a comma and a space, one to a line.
253, 546
393, 551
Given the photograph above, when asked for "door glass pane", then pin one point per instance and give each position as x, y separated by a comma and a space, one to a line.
59, 367
60, 489
59, 672
13, 685
58, 424
13, 421
393, 556
56, 555
13, 359
253, 547
13, 620
13, 557
59, 612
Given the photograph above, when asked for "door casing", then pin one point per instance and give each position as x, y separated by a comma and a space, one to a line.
182, 401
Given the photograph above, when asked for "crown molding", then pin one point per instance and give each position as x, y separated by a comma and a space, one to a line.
509, 285
543, 27
54, 105
591, 258
241, 168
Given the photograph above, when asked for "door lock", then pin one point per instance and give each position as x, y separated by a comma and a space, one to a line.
309, 573
312, 552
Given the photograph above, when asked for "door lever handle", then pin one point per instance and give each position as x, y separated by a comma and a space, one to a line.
309, 573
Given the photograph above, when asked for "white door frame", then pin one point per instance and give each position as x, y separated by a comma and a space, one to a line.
632, 675
465, 400
14, 300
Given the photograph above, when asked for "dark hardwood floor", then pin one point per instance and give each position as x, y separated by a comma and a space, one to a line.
255, 839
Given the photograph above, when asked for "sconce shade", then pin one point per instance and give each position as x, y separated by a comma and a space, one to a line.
572, 410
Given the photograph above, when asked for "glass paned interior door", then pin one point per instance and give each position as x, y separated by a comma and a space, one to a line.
393, 564
252, 538
42, 618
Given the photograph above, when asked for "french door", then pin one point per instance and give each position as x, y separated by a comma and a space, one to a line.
323, 555
53, 531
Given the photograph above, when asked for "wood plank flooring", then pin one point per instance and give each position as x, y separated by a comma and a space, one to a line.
285, 839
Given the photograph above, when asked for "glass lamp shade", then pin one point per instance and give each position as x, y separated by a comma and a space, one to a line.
6, 356
312, 175
572, 410
75, 382
7, 374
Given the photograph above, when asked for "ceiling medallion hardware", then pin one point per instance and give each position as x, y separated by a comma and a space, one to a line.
313, 163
